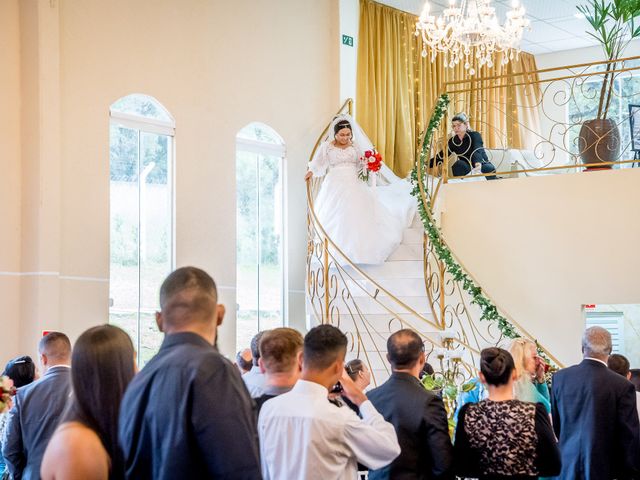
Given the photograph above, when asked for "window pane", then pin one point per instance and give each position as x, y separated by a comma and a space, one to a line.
141, 105
124, 230
270, 222
155, 235
247, 247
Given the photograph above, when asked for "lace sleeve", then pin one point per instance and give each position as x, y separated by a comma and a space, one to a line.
320, 161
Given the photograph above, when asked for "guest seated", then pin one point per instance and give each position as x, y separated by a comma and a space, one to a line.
468, 146
254, 378
303, 436
502, 437
38, 408
187, 414
85, 445
418, 416
244, 360
530, 385
280, 362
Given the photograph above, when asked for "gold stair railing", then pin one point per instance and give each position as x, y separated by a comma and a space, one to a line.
331, 277
530, 111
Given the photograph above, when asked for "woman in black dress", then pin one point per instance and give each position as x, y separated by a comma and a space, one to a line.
500, 437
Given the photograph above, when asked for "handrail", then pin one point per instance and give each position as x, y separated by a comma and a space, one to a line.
329, 246
426, 203
541, 70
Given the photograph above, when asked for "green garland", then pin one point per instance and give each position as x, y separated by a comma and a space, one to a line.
489, 310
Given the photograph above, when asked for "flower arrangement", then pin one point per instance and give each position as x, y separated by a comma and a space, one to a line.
372, 162
7, 390
489, 311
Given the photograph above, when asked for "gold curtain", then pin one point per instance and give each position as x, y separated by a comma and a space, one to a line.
397, 89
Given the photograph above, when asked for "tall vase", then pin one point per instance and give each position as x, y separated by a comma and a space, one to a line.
598, 142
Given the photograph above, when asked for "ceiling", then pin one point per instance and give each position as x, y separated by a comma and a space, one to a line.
553, 25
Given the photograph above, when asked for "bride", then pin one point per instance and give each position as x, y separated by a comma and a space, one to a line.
366, 223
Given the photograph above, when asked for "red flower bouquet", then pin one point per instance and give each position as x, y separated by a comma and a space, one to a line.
372, 161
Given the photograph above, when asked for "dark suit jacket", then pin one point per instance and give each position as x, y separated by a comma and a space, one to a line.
421, 424
470, 148
596, 422
34, 417
188, 415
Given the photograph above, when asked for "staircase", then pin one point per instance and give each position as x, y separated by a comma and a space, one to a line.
412, 289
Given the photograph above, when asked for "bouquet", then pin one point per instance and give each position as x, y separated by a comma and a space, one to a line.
372, 162
7, 390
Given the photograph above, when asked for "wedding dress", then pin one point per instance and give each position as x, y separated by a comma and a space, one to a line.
366, 223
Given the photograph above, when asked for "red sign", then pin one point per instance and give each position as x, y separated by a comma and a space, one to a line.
590, 306
46, 332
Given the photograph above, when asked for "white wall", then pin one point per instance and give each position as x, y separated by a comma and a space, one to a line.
542, 247
349, 25
216, 67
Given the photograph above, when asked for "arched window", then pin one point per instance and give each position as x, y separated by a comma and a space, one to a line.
141, 216
260, 227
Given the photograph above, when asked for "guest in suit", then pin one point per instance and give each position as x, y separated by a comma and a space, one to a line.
85, 445
38, 408
187, 414
254, 379
595, 416
468, 146
620, 364
502, 437
418, 416
280, 362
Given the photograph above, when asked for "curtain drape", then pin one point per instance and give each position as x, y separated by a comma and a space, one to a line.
397, 89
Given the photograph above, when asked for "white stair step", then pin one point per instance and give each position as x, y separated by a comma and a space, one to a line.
413, 236
395, 286
395, 269
406, 252
368, 305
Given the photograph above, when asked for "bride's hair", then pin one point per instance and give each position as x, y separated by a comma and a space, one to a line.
340, 125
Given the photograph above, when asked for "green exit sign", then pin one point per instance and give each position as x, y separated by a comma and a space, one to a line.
347, 40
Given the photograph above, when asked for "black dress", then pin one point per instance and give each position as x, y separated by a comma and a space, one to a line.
510, 439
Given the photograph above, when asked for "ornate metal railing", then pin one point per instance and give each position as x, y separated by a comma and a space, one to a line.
539, 122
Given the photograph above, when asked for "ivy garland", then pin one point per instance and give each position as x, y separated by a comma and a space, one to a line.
489, 310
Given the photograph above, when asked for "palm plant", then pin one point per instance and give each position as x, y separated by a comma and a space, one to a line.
613, 22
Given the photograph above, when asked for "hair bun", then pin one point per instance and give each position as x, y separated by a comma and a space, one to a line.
496, 365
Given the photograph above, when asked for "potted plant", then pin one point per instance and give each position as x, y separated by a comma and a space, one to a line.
613, 22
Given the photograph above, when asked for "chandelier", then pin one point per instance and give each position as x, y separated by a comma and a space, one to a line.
472, 29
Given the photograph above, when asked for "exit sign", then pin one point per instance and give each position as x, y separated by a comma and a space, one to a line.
347, 40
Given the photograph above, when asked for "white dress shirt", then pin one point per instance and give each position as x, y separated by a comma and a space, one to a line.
304, 436
254, 380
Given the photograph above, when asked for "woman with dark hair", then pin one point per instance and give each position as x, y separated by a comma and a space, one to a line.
468, 147
502, 437
365, 223
85, 445
22, 371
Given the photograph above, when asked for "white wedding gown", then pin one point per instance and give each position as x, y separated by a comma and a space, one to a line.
365, 223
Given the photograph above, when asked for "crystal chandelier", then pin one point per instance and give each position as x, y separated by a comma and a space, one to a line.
472, 29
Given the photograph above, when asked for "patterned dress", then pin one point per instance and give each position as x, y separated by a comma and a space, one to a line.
509, 439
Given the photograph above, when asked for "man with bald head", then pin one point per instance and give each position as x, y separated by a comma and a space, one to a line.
594, 416
38, 408
187, 414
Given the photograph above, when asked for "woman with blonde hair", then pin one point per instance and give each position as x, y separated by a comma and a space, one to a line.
530, 384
